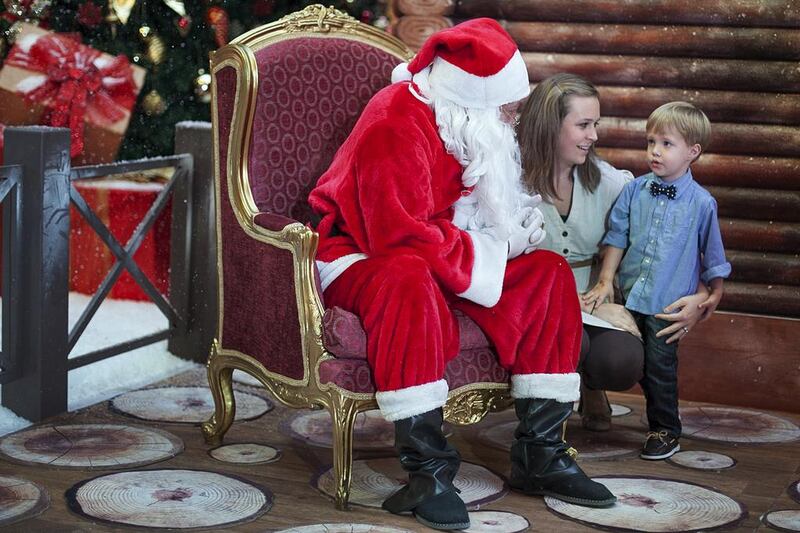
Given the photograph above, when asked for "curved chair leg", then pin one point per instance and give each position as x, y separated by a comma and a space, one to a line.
343, 415
220, 380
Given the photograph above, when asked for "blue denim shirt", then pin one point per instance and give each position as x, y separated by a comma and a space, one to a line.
669, 242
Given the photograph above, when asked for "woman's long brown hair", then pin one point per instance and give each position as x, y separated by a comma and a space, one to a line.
540, 124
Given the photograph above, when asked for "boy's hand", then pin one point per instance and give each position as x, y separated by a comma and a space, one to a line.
604, 290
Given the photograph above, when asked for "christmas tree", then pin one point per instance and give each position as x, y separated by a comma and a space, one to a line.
171, 39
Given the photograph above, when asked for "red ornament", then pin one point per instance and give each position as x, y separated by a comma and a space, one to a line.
90, 15
77, 82
183, 24
366, 16
220, 23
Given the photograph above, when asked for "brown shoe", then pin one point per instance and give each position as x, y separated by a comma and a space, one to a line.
594, 409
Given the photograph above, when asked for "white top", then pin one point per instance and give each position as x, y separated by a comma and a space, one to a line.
578, 239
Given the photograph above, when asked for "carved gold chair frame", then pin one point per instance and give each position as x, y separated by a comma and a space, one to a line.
466, 405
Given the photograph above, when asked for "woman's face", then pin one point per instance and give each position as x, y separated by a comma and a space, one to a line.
578, 130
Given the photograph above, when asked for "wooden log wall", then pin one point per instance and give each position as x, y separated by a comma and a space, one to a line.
739, 61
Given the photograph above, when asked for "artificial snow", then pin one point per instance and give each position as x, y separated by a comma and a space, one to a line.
115, 321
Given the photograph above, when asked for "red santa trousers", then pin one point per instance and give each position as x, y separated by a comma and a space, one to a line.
412, 332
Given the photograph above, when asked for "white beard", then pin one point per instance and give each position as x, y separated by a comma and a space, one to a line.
487, 149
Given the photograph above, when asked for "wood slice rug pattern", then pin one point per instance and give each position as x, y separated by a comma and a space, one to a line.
344, 528
246, 453
616, 409
496, 522
783, 520
178, 499
20, 499
655, 505
730, 424
184, 405
702, 460
794, 490
370, 430
90, 446
615, 444
374, 480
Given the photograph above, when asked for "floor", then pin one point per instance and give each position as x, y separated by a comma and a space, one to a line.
758, 480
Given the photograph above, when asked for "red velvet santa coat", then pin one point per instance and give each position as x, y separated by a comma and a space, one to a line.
390, 253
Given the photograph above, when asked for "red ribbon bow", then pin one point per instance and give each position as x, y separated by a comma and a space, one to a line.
79, 81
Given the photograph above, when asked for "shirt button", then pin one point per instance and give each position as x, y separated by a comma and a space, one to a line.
652, 241
646, 259
661, 202
566, 251
564, 234
655, 222
641, 279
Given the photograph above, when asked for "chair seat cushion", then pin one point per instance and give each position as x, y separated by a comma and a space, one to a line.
469, 366
345, 338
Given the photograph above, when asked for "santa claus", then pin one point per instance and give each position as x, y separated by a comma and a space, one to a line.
423, 212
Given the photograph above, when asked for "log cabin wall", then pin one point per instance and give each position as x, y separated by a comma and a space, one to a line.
739, 61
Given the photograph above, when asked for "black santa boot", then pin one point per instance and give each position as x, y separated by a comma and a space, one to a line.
540, 462
431, 464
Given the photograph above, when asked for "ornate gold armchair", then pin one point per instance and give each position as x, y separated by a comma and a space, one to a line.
285, 96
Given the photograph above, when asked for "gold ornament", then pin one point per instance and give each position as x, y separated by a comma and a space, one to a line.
202, 86
144, 31
153, 103
177, 6
156, 49
120, 10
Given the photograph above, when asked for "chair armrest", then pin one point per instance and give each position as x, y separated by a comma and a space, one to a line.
269, 286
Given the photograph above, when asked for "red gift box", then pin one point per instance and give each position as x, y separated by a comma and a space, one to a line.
51, 79
121, 205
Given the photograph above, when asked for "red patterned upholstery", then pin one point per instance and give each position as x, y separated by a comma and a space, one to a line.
311, 93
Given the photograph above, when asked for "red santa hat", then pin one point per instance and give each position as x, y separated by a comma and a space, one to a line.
475, 64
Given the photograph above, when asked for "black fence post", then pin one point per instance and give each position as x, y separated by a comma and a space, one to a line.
41, 390
193, 269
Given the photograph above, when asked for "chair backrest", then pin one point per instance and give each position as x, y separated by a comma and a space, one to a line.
316, 70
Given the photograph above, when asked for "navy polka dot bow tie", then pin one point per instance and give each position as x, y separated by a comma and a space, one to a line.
667, 190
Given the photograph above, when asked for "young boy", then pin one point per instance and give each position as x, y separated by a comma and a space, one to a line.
666, 226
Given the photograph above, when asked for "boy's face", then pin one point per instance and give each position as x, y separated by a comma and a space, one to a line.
668, 154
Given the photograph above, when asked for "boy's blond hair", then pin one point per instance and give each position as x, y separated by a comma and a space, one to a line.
691, 123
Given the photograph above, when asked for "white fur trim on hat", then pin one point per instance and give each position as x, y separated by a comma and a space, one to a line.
559, 387
401, 73
484, 92
488, 269
403, 403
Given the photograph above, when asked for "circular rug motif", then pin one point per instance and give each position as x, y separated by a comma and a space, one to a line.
178, 499
783, 520
246, 453
702, 460
90, 446
794, 490
731, 424
496, 522
185, 405
246, 379
344, 528
591, 445
370, 430
616, 409
374, 480
655, 505
20, 499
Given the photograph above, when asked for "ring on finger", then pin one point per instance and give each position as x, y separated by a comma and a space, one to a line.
685, 329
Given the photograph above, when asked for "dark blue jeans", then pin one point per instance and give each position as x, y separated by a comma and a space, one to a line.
660, 381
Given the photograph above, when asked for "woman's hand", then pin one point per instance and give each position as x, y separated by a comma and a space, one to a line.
604, 290
618, 316
684, 313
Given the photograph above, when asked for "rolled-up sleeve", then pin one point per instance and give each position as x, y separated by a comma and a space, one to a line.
715, 265
618, 219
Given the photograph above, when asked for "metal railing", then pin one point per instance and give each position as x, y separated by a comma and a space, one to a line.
37, 190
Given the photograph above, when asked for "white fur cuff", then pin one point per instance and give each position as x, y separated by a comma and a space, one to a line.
559, 387
412, 401
488, 269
